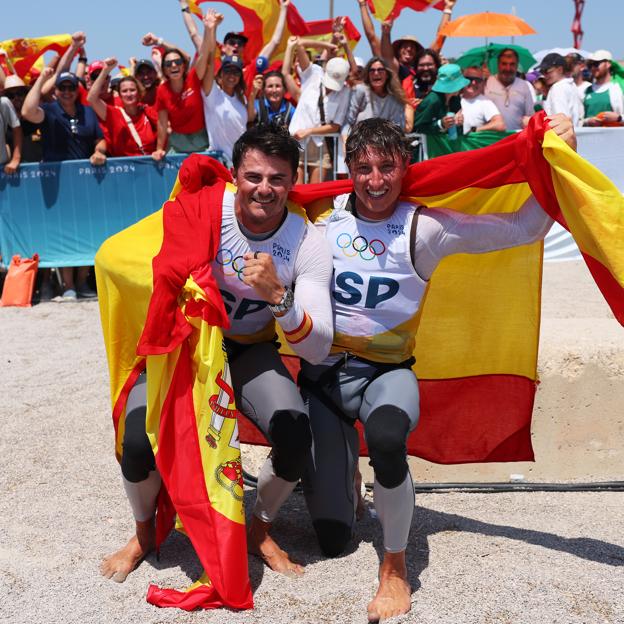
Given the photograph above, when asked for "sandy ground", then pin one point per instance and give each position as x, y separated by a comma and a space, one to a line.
484, 558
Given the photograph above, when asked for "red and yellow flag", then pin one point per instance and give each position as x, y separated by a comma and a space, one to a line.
23, 53
259, 21
476, 344
161, 310
322, 31
390, 9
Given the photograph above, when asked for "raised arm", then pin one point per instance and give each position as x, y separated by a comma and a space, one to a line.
93, 97
444, 20
31, 111
256, 89
150, 39
387, 50
212, 19
189, 24
278, 33
369, 28
79, 39
291, 84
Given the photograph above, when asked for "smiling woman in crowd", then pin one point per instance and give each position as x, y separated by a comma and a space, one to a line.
267, 104
223, 93
131, 127
179, 104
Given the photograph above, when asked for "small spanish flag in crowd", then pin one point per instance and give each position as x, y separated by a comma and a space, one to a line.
390, 9
321, 30
259, 20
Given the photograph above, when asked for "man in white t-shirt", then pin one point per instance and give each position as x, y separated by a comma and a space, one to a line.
478, 113
511, 94
562, 94
322, 109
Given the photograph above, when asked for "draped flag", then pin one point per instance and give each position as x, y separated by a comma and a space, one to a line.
161, 310
23, 53
259, 20
322, 31
476, 345
391, 9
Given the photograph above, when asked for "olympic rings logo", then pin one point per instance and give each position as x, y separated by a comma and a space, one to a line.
360, 245
226, 258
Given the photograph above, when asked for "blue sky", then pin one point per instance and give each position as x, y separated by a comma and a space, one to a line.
115, 27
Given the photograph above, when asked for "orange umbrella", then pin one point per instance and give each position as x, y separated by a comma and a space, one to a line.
487, 25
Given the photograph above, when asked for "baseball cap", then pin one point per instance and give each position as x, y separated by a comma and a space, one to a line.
232, 61
235, 35
336, 72
551, 60
450, 79
66, 77
96, 66
145, 63
600, 55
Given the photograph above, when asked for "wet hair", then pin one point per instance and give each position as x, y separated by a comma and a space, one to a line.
392, 84
380, 135
271, 140
133, 80
177, 51
509, 51
433, 54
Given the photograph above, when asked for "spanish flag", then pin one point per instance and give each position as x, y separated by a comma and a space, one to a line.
161, 311
259, 21
23, 53
391, 9
322, 31
477, 341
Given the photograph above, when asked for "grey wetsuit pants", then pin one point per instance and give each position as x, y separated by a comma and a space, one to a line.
268, 396
386, 401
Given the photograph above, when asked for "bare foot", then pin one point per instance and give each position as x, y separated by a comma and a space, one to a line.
261, 544
118, 565
394, 594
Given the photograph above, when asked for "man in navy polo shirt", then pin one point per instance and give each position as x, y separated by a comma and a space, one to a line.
70, 131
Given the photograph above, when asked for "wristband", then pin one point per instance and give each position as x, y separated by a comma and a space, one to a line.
160, 41
82, 59
447, 11
619, 120
185, 9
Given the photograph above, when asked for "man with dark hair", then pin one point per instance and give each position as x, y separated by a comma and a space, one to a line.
385, 251
267, 248
511, 94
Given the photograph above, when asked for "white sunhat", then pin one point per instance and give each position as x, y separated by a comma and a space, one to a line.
359, 61
600, 55
336, 72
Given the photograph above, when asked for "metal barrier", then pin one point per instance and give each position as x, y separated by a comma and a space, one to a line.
323, 149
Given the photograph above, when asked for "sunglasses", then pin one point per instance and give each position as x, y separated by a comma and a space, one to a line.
476, 79
233, 41
377, 70
66, 88
177, 62
15, 94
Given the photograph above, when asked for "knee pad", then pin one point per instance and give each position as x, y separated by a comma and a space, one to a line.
386, 433
290, 434
333, 536
137, 459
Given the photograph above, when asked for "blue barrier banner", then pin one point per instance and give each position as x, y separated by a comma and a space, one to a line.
65, 210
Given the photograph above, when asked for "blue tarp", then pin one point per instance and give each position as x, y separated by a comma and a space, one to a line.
64, 211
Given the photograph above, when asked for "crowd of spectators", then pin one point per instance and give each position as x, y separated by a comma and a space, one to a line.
175, 102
